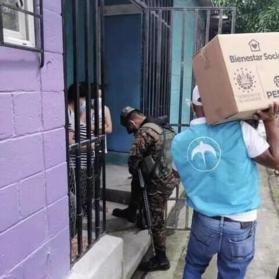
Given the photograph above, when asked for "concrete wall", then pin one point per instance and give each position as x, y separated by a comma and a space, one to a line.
34, 229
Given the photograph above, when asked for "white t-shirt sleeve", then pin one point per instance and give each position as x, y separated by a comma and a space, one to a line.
255, 144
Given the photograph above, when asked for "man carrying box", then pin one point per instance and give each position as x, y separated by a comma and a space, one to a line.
217, 166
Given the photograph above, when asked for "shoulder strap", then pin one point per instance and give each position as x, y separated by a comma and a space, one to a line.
159, 130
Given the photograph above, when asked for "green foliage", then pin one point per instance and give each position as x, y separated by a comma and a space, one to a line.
254, 15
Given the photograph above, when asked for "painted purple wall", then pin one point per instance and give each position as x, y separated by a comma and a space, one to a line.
34, 229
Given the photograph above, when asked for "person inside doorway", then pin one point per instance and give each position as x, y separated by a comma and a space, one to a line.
217, 166
82, 183
107, 115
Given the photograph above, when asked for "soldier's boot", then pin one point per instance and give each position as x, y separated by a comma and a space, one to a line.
158, 262
129, 213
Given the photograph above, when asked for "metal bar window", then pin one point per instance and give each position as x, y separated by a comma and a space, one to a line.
158, 33
103, 139
145, 47
77, 125
220, 22
21, 27
158, 64
88, 71
153, 64
191, 28
208, 13
182, 64
97, 120
169, 39
85, 121
156, 49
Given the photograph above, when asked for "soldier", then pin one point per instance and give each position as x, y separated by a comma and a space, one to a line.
151, 152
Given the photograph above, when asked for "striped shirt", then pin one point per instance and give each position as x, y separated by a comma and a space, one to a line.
83, 147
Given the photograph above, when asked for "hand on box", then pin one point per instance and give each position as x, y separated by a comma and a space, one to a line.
268, 114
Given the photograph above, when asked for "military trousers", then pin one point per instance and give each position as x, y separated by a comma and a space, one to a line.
158, 191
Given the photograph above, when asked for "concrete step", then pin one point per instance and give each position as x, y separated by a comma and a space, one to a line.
120, 250
127, 244
176, 242
135, 245
135, 242
103, 260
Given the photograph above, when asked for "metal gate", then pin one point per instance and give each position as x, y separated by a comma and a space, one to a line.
83, 69
171, 35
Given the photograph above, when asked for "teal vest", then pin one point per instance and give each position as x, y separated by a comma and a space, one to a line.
218, 176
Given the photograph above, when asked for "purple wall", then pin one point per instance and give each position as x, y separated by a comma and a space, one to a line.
34, 229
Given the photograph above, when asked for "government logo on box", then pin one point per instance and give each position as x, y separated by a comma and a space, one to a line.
254, 45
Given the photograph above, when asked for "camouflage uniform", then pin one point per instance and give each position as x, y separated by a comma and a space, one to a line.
148, 142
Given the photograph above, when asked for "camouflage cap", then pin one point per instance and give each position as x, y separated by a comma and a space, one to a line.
125, 113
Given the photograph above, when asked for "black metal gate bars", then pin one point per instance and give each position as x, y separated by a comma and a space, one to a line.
170, 36
85, 138
156, 28
162, 25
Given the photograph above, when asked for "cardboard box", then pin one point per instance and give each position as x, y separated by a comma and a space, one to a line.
237, 75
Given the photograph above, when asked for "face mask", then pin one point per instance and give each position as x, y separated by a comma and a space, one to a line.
99, 102
131, 129
82, 107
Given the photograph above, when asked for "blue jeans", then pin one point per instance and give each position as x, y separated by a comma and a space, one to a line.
233, 243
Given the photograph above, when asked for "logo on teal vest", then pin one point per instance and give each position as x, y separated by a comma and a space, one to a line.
204, 154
